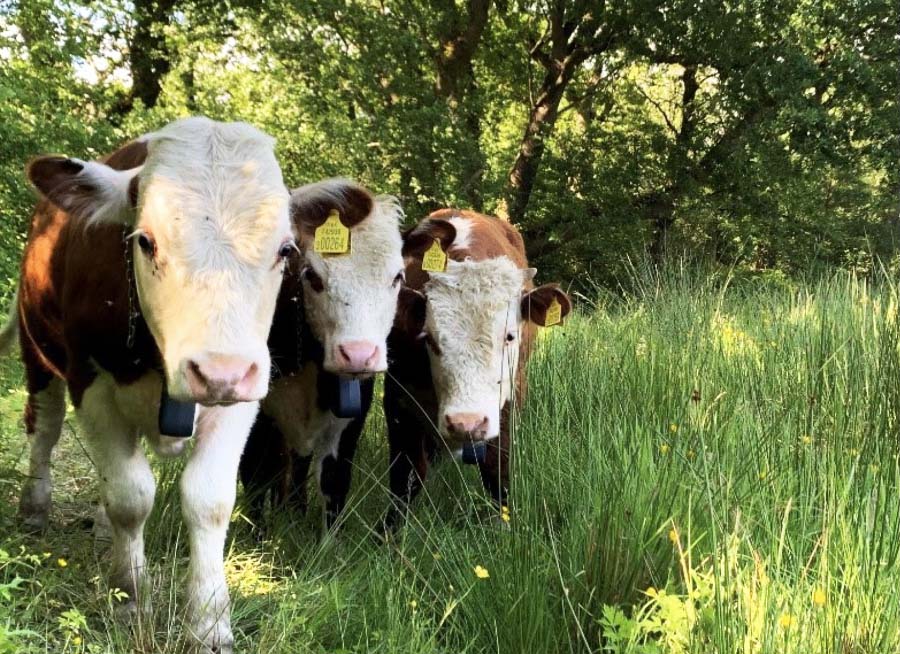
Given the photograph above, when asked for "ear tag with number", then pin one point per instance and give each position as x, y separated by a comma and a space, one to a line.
332, 236
435, 259
553, 314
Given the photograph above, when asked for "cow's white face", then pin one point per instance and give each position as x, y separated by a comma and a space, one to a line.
473, 323
209, 213
351, 298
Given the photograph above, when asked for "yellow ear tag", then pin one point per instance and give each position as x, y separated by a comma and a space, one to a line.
332, 237
435, 259
554, 313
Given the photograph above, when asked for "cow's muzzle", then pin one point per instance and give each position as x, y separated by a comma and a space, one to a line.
222, 379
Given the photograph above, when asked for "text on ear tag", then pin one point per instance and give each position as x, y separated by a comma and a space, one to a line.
332, 236
435, 259
553, 314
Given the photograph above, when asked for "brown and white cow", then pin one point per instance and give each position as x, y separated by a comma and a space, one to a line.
333, 317
157, 267
459, 347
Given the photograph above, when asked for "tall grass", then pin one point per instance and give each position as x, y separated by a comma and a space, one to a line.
699, 467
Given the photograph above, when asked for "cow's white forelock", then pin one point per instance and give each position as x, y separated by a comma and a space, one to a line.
360, 299
470, 309
213, 198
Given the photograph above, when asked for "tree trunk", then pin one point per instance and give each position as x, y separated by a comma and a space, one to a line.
541, 120
574, 35
455, 84
148, 55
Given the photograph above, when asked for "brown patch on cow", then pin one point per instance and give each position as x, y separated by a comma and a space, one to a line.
58, 180
30, 416
352, 202
69, 330
488, 238
410, 317
536, 302
131, 155
419, 238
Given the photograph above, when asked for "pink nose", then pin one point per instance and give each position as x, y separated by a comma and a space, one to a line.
222, 378
357, 356
473, 425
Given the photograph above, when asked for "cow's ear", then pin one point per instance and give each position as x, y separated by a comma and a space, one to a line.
419, 238
311, 205
536, 302
410, 317
87, 190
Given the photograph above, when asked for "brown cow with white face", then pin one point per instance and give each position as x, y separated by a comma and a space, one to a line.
459, 347
157, 267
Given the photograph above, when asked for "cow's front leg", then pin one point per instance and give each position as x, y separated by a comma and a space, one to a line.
336, 470
127, 486
207, 495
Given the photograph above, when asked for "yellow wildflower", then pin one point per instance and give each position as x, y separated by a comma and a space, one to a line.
673, 536
673, 428
413, 604
786, 621
62, 563
76, 641
818, 597
504, 513
664, 448
806, 439
481, 572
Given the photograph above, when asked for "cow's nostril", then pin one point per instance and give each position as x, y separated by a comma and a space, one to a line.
250, 375
196, 371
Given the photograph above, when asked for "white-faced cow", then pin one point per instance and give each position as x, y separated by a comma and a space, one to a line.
459, 347
156, 268
333, 317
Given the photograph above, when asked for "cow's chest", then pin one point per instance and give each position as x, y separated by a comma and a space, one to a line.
293, 403
138, 404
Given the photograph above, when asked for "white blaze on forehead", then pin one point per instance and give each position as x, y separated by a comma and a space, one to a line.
463, 227
359, 299
212, 191
470, 309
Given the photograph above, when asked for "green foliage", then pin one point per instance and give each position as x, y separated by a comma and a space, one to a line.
785, 154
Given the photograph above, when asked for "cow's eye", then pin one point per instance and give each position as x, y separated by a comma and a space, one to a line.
286, 249
147, 244
510, 337
313, 279
398, 279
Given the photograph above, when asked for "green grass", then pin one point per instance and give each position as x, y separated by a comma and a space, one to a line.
700, 467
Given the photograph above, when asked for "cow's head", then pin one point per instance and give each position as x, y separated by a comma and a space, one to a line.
350, 298
207, 217
472, 318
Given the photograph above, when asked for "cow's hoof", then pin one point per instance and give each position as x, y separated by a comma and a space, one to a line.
212, 636
222, 646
